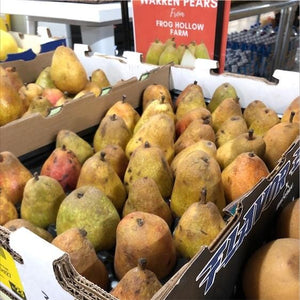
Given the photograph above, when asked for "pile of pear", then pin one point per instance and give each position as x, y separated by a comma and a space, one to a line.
151, 186
162, 53
64, 80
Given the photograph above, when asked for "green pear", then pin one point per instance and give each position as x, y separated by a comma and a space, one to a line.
67, 71
149, 161
112, 130
192, 46
159, 131
44, 79
201, 51
199, 225
180, 50
39, 104
154, 51
41, 200
169, 55
223, 91
245, 142
97, 171
102, 220
196, 171
144, 195
72, 141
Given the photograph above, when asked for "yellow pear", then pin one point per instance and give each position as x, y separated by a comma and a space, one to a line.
8, 44
252, 109
67, 71
99, 77
293, 106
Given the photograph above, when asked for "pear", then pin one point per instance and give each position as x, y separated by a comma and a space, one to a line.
44, 79
198, 113
145, 235
199, 225
13, 176
266, 118
223, 91
155, 91
63, 165
111, 130
8, 210
126, 111
41, 200
196, 131
144, 195
91, 87
272, 271
230, 129
184, 93
154, 51
149, 161
288, 221
204, 145
30, 91
295, 107
170, 41
16, 223
198, 170
180, 50
159, 131
66, 70
245, 142
225, 110
188, 59
192, 46
169, 55
137, 283
11, 104
8, 44
242, 174
116, 156
155, 107
102, 220
190, 98
277, 139
97, 171
72, 141
82, 255
99, 77
251, 110
201, 51
14, 77
39, 104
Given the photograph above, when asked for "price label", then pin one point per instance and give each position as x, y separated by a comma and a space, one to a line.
9, 275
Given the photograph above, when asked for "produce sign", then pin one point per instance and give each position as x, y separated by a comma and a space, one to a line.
187, 22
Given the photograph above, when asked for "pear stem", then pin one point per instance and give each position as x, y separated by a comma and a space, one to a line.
36, 176
102, 155
147, 144
195, 82
140, 222
251, 154
250, 134
142, 262
292, 115
162, 99
124, 98
79, 195
113, 117
83, 232
203, 196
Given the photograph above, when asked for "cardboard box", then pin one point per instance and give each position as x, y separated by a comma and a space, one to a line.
215, 271
34, 44
25, 135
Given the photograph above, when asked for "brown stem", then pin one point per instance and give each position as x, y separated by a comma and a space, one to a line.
147, 144
142, 262
292, 115
140, 222
36, 176
250, 134
102, 155
195, 82
203, 196
162, 99
113, 117
83, 232
124, 98
79, 195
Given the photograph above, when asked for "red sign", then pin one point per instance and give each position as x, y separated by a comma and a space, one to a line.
183, 20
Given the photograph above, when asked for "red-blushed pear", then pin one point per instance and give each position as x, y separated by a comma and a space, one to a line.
8, 210
52, 94
14, 77
126, 111
242, 174
13, 176
145, 235
63, 165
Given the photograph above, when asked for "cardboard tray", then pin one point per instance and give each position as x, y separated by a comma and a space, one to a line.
38, 269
